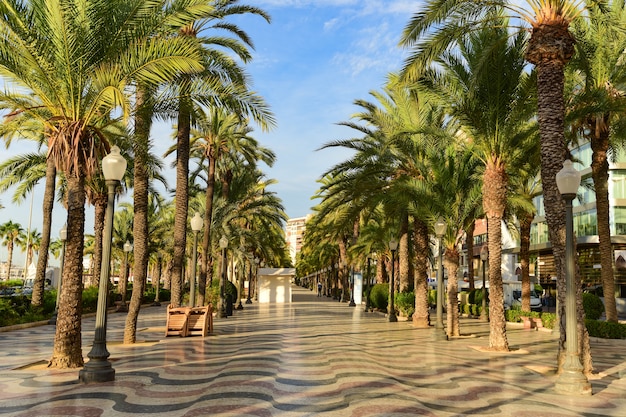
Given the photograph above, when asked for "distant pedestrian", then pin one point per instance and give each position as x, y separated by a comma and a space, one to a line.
319, 289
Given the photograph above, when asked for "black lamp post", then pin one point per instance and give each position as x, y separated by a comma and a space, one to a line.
249, 299
128, 247
98, 368
63, 237
222, 308
391, 310
440, 230
484, 256
572, 379
196, 225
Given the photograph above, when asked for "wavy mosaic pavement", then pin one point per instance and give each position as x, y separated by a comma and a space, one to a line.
314, 357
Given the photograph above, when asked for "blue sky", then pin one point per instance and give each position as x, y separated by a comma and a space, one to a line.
310, 64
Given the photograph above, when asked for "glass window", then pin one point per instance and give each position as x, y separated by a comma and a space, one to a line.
586, 223
583, 154
620, 221
618, 184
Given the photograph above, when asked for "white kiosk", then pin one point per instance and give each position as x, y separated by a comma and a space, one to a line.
274, 285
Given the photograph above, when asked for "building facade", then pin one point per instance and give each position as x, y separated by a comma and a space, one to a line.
294, 234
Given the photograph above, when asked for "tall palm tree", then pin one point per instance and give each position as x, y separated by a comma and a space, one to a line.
222, 84
441, 22
217, 136
598, 107
78, 59
489, 93
26, 170
10, 233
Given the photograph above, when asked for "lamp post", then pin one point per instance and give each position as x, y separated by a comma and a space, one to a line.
128, 247
391, 316
484, 255
157, 302
196, 225
63, 237
222, 307
257, 261
440, 230
572, 380
367, 284
98, 368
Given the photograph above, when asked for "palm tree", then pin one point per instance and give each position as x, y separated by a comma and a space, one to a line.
26, 170
10, 233
551, 46
217, 136
78, 59
488, 92
598, 107
222, 84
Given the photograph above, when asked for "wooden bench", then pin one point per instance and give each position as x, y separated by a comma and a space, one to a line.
177, 320
200, 321
186, 321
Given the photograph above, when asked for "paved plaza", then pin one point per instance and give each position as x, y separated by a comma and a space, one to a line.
313, 357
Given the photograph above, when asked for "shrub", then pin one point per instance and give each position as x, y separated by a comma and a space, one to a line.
405, 303
513, 315
605, 329
379, 296
593, 306
432, 298
471, 297
548, 320
90, 299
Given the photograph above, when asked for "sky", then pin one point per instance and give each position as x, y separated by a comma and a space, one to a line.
310, 64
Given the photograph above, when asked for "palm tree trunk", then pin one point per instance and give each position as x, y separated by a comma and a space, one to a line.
524, 258
141, 149
100, 206
551, 108
421, 316
42, 262
10, 246
494, 201
67, 351
182, 200
451, 263
207, 259
600, 175
403, 255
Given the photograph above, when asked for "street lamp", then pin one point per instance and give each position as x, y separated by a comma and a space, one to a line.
196, 225
572, 380
222, 307
391, 316
128, 247
63, 237
440, 230
248, 299
484, 255
256, 277
98, 368
367, 284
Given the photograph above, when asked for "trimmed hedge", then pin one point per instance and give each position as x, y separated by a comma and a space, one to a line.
379, 296
593, 306
405, 303
605, 329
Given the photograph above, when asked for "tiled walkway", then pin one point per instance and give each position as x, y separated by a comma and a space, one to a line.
314, 357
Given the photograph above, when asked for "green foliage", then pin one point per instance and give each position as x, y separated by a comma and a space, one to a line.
593, 306
605, 329
405, 303
548, 320
90, 300
432, 297
513, 315
150, 294
471, 297
379, 296
8, 316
